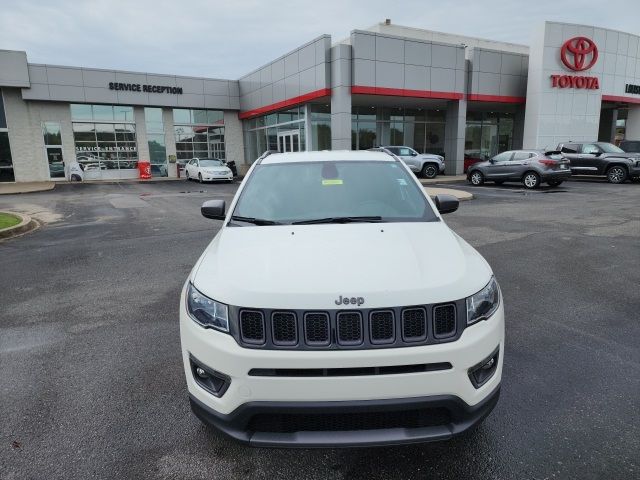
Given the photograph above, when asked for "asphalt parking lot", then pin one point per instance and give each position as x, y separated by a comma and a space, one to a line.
91, 379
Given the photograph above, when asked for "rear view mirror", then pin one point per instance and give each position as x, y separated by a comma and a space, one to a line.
446, 203
214, 209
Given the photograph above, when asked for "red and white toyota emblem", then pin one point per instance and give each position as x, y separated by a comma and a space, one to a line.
579, 53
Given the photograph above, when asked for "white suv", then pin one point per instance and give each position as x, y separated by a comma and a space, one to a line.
319, 316
428, 165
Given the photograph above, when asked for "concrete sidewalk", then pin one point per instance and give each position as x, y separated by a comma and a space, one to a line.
25, 187
444, 179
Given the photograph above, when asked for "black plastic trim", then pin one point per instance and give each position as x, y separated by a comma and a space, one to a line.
352, 343
273, 336
235, 424
194, 362
350, 371
495, 353
426, 325
313, 343
264, 329
393, 326
455, 320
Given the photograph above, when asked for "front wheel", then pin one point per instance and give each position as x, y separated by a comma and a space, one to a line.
555, 183
476, 178
429, 170
531, 180
616, 174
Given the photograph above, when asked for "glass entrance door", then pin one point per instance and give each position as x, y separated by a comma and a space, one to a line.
289, 141
56, 163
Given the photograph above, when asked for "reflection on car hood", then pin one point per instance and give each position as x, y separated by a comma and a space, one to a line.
309, 266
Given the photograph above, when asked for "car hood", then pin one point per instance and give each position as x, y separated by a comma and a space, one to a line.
310, 266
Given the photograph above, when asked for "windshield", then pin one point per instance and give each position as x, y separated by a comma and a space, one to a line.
610, 148
294, 192
211, 163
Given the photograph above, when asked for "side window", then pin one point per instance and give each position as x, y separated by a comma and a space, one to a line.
393, 150
570, 148
590, 148
502, 157
519, 156
405, 152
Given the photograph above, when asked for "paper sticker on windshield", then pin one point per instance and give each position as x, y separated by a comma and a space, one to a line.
332, 181
401, 181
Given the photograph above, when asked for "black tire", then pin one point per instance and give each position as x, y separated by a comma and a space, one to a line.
616, 174
635, 179
531, 180
200, 177
555, 183
429, 170
186, 174
476, 178
499, 182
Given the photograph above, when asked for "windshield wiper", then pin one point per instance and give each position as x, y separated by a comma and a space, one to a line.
255, 221
372, 219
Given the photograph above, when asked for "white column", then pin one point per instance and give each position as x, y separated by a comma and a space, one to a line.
341, 97
632, 126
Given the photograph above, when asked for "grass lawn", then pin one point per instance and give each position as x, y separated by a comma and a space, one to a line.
7, 220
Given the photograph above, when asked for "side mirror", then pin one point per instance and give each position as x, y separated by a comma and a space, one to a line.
491, 160
214, 209
446, 203
414, 154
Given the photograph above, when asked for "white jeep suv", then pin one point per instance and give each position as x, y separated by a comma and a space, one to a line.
319, 316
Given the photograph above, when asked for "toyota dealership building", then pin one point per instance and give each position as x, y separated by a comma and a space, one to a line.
388, 85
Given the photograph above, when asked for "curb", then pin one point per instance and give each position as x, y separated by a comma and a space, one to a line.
461, 195
26, 187
26, 225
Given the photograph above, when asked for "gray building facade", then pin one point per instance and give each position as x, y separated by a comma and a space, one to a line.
461, 97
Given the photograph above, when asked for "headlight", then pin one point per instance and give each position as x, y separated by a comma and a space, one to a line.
483, 304
205, 311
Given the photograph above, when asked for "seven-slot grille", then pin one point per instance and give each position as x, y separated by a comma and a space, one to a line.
444, 320
348, 329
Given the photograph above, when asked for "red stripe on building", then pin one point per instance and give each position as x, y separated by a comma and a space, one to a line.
403, 92
324, 92
476, 97
616, 98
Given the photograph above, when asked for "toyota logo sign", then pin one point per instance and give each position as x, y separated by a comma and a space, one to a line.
579, 53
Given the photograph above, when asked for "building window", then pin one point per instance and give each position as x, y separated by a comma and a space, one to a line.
320, 126
199, 133
487, 134
105, 140
6, 164
155, 139
418, 128
282, 131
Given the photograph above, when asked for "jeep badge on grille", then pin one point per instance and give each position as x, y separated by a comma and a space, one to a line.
349, 300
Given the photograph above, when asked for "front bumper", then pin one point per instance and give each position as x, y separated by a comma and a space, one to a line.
207, 177
250, 395
238, 424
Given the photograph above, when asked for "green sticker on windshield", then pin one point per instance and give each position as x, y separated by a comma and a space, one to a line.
332, 181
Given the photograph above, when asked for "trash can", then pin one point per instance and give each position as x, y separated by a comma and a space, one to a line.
144, 169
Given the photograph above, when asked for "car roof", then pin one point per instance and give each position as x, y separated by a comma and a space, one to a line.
328, 156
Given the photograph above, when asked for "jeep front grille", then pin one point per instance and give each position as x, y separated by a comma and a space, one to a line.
284, 328
316, 329
349, 328
444, 320
381, 325
252, 326
414, 324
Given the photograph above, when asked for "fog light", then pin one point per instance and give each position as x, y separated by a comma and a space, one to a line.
212, 381
481, 373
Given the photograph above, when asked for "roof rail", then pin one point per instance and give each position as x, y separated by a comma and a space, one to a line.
265, 155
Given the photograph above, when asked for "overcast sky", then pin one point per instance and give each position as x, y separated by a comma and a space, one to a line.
227, 39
